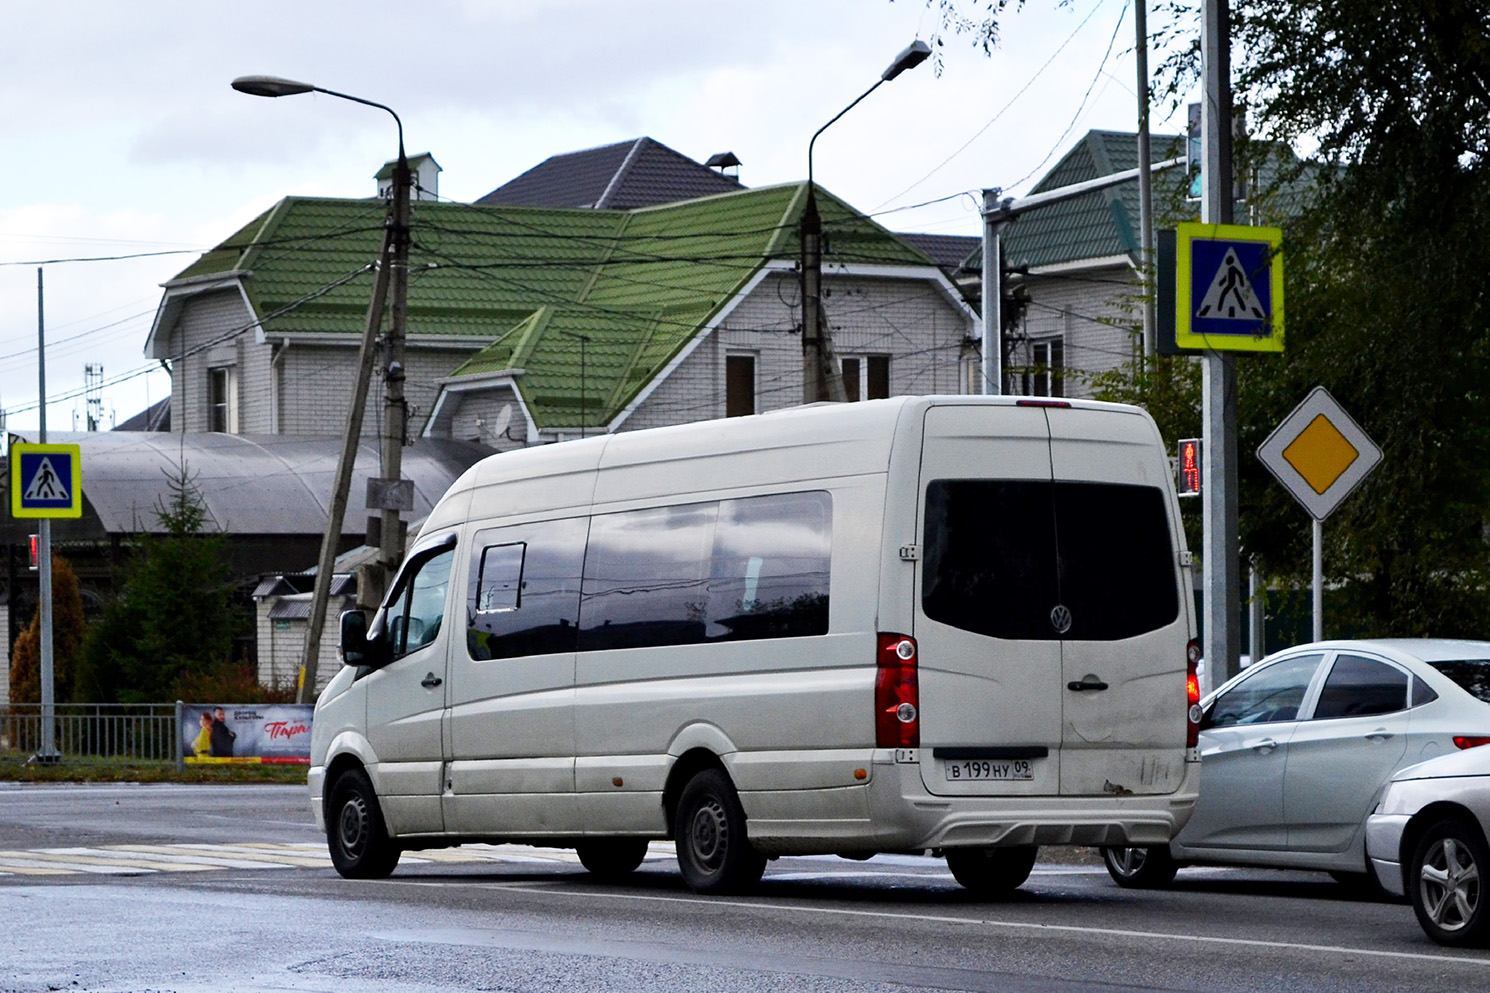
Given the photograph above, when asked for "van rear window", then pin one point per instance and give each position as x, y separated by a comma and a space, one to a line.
1002, 555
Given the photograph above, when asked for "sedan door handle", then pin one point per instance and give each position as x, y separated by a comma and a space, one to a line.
1380, 734
1086, 683
1265, 745
430, 681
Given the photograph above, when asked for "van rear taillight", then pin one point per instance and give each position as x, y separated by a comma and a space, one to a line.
1192, 694
897, 696
1041, 403
1471, 740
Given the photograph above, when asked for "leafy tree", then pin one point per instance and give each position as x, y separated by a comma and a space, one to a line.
67, 642
1388, 304
172, 621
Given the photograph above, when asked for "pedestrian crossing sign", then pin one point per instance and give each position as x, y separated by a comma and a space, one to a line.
1229, 288
46, 480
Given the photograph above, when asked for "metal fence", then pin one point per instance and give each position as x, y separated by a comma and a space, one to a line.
134, 732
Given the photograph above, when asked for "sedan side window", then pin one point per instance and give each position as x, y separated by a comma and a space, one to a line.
1361, 687
1272, 694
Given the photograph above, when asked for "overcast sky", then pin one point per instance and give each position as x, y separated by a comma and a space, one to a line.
123, 135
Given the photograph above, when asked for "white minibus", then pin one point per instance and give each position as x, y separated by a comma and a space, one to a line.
956, 625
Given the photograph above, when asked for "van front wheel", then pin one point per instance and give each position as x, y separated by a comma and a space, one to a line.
713, 851
612, 858
992, 872
357, 835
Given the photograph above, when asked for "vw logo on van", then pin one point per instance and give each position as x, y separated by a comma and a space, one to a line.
1060, 618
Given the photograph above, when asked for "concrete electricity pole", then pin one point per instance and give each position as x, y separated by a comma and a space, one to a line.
391, 493
820, 377
1222, 602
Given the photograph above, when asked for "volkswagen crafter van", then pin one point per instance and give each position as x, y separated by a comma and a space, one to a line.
957, 625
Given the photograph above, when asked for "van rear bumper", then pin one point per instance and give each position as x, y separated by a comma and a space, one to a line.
910, 817
894, 812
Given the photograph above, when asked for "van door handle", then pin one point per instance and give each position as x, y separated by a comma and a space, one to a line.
1264, 746
430, 681
1086, 683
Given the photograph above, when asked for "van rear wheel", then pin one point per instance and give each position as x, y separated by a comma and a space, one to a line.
355, 830
612, 858
992, 872
713, 851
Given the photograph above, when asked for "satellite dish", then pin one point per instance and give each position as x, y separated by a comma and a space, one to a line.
503, 422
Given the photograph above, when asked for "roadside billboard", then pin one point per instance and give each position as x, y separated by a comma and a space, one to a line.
227, 733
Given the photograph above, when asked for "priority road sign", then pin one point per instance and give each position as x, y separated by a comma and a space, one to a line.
1319, 454
46, 480
1229, 288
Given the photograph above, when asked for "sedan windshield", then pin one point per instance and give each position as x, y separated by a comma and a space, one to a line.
1471, 674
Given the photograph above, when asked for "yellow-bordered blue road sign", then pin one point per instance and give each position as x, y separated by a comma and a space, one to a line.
1229, 288
46, 480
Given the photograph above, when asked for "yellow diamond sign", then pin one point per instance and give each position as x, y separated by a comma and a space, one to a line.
1319, 453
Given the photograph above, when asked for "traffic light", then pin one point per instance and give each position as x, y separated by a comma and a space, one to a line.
1188, 482
35, 552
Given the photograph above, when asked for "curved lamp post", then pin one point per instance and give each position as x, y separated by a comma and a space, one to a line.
391, 495
820, 380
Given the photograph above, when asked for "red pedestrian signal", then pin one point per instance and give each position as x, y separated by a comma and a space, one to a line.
1189, 467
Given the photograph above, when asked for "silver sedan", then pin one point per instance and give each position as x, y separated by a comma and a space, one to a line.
1427, 838
1296, 749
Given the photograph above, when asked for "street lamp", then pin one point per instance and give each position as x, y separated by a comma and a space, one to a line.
390, 494
820, 380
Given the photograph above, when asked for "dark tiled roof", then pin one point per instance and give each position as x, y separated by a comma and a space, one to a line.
156, 417
949, 250
623, 176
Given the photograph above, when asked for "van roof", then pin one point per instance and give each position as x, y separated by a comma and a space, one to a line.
839, 429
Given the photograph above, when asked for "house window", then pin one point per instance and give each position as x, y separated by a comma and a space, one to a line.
1045, 376
222, 399
739, 385
866, 378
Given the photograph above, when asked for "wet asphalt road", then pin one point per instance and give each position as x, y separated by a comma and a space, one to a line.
520, 920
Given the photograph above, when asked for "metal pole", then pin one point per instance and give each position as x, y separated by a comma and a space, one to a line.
395, 411
1222, 568
1318, 580
1257, 601
993, 295
1145, 183
348, 458
180, 740
48, 751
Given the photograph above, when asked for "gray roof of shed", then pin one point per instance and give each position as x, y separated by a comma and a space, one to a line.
623, 176
250, 484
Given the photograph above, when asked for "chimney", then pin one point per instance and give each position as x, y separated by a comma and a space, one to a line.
426, 172
723, 161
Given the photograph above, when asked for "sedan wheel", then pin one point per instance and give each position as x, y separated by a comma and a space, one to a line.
1447, 875
1139, 868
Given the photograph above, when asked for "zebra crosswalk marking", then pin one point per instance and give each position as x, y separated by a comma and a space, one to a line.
224, 855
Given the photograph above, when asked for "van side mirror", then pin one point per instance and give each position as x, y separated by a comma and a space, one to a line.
354, 648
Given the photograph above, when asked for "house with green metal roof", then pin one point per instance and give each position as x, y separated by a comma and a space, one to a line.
535, 324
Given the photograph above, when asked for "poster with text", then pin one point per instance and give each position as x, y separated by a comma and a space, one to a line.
226, 733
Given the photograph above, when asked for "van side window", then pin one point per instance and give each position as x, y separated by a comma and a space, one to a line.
415, 616
522, 597
770, 567
1002, 554
734, 570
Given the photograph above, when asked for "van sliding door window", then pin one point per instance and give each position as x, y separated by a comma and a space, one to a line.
727, 571
769, 576
1001, 555
523, 593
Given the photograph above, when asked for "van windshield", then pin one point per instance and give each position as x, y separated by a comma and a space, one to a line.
1003, 555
